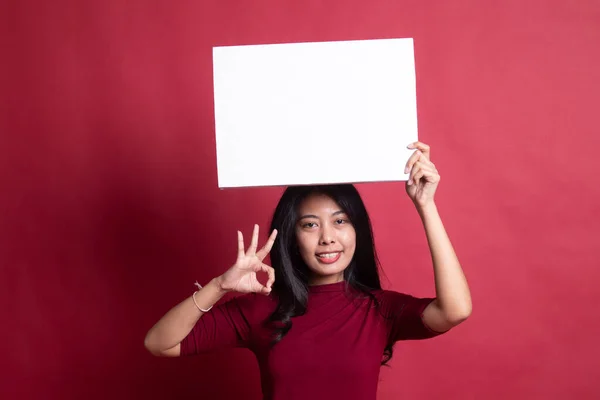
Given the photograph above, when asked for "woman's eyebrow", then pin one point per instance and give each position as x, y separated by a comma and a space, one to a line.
314, 216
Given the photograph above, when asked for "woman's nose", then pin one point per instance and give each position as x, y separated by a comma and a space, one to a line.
327, 236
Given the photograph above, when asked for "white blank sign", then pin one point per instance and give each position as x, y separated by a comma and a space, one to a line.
314, 113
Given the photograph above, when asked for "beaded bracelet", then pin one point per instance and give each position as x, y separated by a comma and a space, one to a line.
194, 298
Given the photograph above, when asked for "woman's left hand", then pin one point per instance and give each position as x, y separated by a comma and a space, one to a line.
423, 178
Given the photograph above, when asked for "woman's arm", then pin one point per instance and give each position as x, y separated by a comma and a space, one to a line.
164, 338
453, 298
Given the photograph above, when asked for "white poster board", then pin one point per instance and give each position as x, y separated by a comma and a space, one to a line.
312, 113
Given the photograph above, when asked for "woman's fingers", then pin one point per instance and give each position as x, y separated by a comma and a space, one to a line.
417, 156
411, 161
271, 272
262, 253
419, 170
423, 152
240, 244
413, 171
254, 243
266, 288
418, 175
424, 148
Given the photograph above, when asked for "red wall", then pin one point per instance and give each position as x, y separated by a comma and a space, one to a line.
109, 207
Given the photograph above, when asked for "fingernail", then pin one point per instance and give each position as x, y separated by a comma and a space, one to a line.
406, 170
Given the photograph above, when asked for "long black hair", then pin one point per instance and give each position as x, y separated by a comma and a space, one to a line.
291, 286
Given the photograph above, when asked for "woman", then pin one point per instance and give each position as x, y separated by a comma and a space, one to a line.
321, 326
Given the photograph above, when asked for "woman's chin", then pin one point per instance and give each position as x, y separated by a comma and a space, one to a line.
328, 272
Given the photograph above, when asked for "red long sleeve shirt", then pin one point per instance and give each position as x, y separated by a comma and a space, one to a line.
332, 351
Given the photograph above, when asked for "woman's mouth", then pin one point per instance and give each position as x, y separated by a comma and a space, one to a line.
329, 258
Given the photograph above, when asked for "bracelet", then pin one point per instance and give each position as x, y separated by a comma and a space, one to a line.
194, 298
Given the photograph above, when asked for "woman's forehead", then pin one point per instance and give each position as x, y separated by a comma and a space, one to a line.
318, 203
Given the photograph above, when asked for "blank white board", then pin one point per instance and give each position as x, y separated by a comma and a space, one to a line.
314, 113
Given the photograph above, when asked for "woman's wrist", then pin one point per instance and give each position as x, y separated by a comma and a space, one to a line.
218, 283
427, 209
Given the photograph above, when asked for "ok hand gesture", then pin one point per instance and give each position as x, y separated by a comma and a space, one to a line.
241, 277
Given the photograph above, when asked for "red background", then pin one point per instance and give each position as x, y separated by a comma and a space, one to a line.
109, 206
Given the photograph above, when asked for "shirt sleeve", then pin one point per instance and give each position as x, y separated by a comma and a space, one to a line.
404, 314
225, 325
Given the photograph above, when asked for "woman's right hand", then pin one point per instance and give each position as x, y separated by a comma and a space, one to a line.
241, 277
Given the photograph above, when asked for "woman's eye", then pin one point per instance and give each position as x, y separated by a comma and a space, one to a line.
309, 225
340, 221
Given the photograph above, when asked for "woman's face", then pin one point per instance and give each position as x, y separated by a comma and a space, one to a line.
326, 239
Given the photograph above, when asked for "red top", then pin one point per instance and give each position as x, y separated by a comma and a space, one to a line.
332, 351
